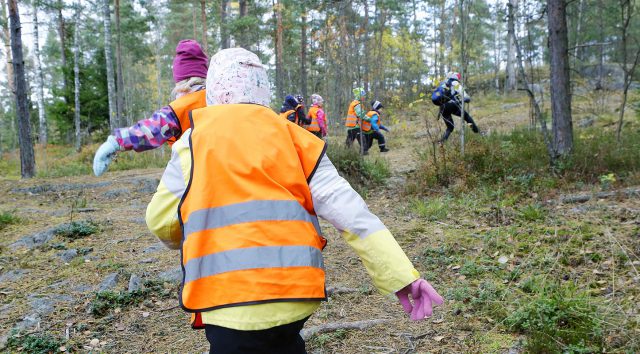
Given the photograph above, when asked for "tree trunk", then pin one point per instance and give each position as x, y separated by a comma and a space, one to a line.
497, 48
511, 82
6, 38
63, 46
365, 29
578, 29
76, 77
463, 61
441, 39
626, 12
27, 157
111, 85
39, 79
559, 78
242, 38
278, 38
194, 21
224, 34
203, 18
119, 78
303, 53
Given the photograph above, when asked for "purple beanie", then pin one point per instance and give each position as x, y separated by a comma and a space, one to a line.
190, 61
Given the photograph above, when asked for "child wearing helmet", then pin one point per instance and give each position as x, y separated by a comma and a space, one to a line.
449, 95
318, 124
167, 124
292, 109
373, 127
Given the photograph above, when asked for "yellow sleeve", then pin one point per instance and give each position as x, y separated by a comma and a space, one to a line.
162, 211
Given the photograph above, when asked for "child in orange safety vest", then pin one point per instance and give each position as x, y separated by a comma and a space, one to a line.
318, 124
242, 205
293, 110
167, 124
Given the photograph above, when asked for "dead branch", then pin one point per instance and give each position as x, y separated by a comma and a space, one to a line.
331, 327
582, 198
336, 290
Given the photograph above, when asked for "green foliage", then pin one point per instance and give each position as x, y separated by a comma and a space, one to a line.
362, 173
34, 343
7, 218
106, 301
324, 338
518, 163
77, 229
532, 212
431, 209
558, 319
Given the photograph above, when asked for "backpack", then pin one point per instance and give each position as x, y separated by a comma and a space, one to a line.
439, 96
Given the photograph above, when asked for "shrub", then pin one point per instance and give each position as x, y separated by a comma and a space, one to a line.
34, 343
7, 218
105, 301
431, 209
77, 229
558, 319
362, 173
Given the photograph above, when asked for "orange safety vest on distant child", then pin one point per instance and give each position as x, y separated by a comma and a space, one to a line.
313, 114
250, 231
181, 108
352, 119
286, 115
366, 124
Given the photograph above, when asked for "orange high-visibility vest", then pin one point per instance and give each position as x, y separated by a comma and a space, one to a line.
313, 114
366, 124
181, 108
352, 119
286, 114
250, 232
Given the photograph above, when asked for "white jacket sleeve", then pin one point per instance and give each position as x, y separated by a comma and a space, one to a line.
335, 201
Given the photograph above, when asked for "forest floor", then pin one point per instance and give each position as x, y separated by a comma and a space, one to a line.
482, 256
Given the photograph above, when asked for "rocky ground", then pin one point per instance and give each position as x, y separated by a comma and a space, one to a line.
79, 238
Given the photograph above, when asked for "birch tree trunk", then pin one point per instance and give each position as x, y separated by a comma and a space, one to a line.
559, 78
511, 82
203, 18
277, 12
27, 157
303, 53
76, 77
119, 78
224, 33
111, 86
463, 76
6, 38
626, 13
39, 79
63, 46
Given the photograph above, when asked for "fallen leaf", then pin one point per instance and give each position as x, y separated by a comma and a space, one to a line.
455, 267
503, 259
438, 338
145, 314
439, 320
62, 349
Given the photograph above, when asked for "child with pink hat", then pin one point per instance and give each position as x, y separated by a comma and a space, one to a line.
190, 67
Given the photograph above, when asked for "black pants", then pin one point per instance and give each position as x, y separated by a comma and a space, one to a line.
283, 339
352, 134
452, 107
318, 134
377, 136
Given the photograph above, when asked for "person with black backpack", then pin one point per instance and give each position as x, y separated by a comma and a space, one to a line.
448, 96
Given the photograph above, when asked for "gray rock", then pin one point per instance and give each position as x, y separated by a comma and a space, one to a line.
44, 188
12, 275
68, 255
146, 185
140, 221
37, 239
28, 322
115, 193
109, 282
154, 248
44, 305
135, 283
508, 106
148, 260
171, 275
587, 122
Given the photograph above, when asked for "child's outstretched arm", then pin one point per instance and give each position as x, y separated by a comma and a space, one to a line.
145, 135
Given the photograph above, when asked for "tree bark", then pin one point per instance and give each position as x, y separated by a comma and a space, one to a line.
27, 157
303, 53
463, 60
497, 48
559, 78
511, 82
6, 38
242, 38
76, 77
277, 12
111, 85
203, 18
39, 79
626, 12
365, 29
224, 33
63, 46
119, 79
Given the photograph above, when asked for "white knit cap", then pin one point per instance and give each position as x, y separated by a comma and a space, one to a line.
236, 75
316, 99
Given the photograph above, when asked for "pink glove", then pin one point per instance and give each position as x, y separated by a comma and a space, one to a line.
424, 296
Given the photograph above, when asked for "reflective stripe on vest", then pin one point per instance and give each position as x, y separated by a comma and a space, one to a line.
181, 108
250, 233
352, 119
313, 114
